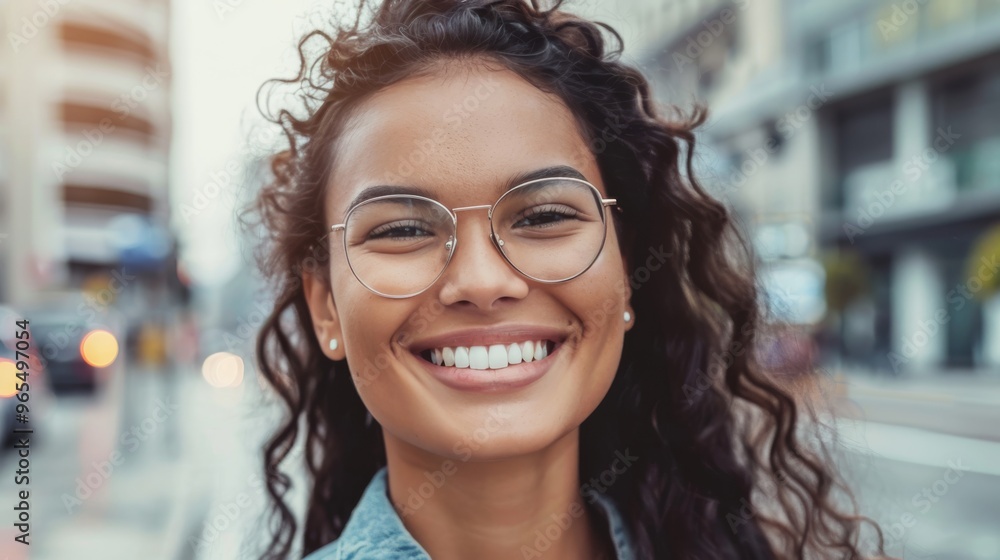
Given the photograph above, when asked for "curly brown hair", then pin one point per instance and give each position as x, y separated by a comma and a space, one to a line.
724, 470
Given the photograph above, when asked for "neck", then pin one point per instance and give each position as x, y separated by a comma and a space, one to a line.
523, 507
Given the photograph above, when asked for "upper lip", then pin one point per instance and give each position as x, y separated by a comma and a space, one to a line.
487, 336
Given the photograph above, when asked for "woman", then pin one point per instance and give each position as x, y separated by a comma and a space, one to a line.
516, 325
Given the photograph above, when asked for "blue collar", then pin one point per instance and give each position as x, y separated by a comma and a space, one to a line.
375, 531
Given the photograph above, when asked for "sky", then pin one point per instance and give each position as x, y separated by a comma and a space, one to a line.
222, 51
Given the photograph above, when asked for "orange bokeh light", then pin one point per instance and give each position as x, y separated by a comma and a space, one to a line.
99, 348
8, 379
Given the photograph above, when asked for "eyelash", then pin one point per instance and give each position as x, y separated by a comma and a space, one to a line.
561, 211
387, 228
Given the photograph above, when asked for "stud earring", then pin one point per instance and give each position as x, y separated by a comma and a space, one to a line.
333, 344
628, 317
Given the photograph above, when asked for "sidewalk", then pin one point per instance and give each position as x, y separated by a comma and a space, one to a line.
966, 405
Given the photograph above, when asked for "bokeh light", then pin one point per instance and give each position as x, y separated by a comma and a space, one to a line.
99, 348
8, 379
222, 370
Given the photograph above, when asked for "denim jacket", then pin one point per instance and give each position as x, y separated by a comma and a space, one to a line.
375, 531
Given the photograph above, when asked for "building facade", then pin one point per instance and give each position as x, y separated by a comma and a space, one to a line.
85, 140
859, 143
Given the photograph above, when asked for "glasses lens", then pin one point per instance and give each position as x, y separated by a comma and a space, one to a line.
398, 246
551, 230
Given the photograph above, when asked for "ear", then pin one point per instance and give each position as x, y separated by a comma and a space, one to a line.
325, 320
627, 292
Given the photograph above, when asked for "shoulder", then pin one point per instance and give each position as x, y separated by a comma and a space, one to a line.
374, 531
349, 549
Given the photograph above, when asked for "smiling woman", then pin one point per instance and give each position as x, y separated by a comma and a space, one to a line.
533, 335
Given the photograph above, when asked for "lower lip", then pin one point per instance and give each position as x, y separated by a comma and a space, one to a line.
492, 380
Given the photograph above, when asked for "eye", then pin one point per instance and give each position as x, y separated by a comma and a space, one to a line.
544, 216
400, 230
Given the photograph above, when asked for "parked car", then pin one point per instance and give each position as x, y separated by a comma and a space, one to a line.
38, 391
58, 329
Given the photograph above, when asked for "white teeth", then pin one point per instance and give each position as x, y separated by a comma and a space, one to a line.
528, 351
513, 354
479, 357
540, 350
461, 357
496, 356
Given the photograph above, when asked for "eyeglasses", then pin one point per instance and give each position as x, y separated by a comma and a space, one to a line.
550, 230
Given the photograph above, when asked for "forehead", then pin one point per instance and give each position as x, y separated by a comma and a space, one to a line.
457, 135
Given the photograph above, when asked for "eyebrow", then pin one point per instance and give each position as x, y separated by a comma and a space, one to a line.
517, 179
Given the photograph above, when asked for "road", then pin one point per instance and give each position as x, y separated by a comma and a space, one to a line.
139, 471
185, 485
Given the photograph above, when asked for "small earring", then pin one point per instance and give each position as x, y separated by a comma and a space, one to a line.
628, 316
333, 344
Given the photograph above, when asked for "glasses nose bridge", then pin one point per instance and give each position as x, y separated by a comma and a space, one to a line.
455, 211
497, 244
489, 216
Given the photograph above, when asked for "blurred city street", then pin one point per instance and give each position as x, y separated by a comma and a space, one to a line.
924, 460
856, 144
98, 495
932, 483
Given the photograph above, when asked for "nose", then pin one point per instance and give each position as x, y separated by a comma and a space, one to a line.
478, 275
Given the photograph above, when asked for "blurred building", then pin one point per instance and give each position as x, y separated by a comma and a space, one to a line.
859, 141
85, 121
911, 174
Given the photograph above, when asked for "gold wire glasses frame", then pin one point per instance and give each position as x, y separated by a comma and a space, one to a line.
497, 241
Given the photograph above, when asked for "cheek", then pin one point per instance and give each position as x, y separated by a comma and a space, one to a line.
367, 326
600, 298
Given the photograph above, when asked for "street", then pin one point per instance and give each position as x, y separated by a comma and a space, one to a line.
185, 482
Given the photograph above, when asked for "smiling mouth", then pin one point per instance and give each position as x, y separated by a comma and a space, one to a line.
494, 356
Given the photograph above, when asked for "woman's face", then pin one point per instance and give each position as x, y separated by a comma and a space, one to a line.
461, 137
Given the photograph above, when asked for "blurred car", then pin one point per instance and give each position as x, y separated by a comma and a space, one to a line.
37, 386
59, 327
60, 337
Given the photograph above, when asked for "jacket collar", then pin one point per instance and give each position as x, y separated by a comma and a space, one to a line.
375, 531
